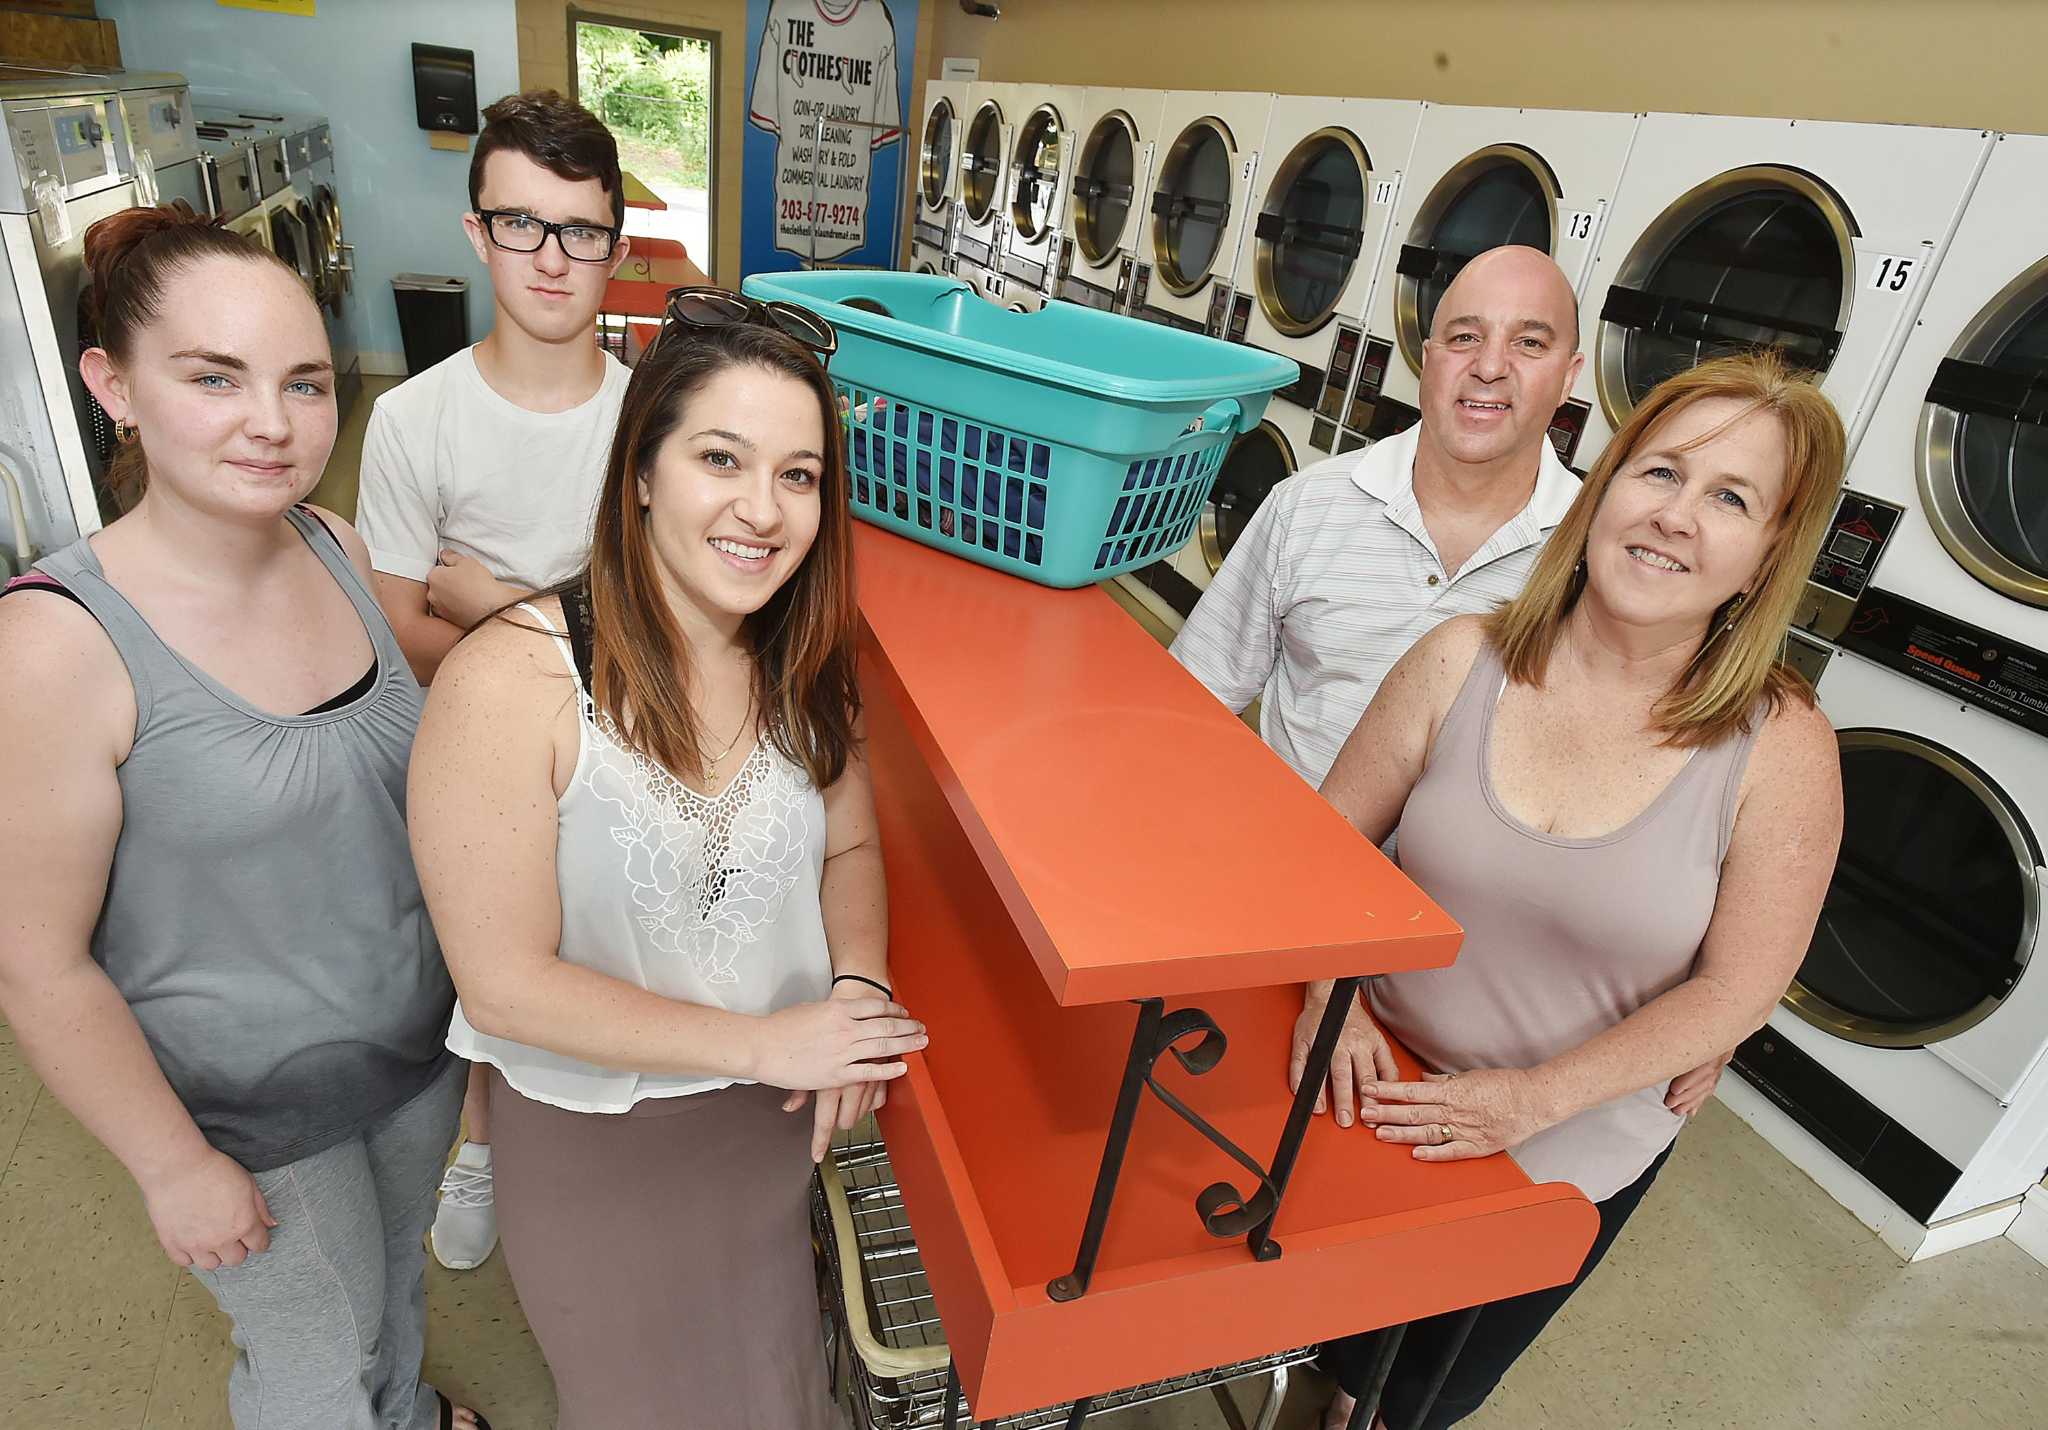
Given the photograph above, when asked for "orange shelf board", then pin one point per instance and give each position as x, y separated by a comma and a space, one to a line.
635, 299
997, 1131
1143, 839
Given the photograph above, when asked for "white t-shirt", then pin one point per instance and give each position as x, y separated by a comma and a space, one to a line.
449, 462
826, 87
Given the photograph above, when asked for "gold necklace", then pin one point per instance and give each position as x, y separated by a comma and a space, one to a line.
709, 771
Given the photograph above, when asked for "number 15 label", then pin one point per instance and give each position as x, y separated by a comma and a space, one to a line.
1893, 273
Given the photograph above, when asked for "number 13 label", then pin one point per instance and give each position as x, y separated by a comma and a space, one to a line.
1894, 274
1577, 224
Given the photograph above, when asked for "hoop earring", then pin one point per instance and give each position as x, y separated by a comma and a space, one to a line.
126, 431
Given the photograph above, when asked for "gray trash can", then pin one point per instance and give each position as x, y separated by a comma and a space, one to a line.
433, 317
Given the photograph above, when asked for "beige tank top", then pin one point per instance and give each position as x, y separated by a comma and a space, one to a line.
1564, 937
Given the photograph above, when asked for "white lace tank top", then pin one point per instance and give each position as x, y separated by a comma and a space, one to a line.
700, 899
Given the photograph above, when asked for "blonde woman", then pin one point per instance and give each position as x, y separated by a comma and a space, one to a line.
1632, 808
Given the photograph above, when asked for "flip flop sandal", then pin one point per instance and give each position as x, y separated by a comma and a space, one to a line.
448, 1414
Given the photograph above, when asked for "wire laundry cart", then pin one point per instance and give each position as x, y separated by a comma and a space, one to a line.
886, 1346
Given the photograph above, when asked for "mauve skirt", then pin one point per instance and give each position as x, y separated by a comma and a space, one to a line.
663, 1258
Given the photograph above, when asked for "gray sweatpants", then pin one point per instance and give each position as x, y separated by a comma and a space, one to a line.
330, 1320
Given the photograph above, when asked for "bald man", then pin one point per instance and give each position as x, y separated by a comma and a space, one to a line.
1350, 561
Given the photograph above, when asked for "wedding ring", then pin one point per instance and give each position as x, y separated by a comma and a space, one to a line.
1444, 1131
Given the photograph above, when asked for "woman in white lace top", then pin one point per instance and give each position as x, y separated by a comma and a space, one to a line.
643, 823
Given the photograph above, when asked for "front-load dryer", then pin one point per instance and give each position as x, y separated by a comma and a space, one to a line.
1204, 174
1104, 222
984, 187
1041, 165
1909, 1047
1814, 237
1959, 443
1482, 178
938, 176
1331, 175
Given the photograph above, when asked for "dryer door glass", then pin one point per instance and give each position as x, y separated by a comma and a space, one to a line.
1743, 261
982, 164
288, 241
1311, 231
1259, 461
1984, 463
1933, 903
1191, 207
1038, 174
935, 158
1104, 185
1493, 198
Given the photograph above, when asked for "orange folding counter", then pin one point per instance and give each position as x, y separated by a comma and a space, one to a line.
1100, 878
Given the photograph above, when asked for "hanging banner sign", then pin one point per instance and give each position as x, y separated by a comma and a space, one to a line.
827, 88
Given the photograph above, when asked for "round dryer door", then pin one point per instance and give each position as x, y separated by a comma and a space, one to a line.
1934, 903
935, 156
1984, 443
1259, 461
1105, 182
1503, 194
981, 164
1038, 174
328, 240
1311, 231
1193, 207
1758, 257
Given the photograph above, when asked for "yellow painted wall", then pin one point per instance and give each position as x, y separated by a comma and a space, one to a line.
544, 62
1971, 63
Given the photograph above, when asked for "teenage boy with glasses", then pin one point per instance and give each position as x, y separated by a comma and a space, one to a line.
480, 475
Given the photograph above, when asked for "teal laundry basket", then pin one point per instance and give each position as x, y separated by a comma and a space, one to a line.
1064, 446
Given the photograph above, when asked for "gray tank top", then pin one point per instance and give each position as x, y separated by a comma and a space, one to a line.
262, 917
1563, 937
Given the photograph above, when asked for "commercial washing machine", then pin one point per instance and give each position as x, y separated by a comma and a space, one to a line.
1041, 165
1480, 178
1958, 446
1904, 1070
80, 146
938, 176
1104, 225
1204, 178
1729, 233
1330, 177
983, 211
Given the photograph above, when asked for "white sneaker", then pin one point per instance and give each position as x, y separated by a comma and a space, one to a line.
465, 1229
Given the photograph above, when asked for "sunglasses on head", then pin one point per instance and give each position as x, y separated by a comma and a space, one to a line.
716, 308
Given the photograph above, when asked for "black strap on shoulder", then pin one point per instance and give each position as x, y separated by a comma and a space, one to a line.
37, 581
576, 615
321, 522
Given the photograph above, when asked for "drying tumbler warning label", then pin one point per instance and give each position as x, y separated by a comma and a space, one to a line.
2000, 675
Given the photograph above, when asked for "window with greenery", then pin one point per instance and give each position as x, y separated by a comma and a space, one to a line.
654, 91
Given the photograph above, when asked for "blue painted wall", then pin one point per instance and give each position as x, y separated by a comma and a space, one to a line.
352, 61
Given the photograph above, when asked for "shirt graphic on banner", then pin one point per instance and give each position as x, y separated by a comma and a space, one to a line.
826, 87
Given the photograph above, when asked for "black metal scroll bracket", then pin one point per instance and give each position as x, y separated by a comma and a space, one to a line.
1224, 1210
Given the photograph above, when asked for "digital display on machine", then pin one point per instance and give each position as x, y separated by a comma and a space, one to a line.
1856, 537
1240, 317
1372, 374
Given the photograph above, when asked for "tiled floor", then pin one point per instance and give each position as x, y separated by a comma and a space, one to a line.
1740, 1296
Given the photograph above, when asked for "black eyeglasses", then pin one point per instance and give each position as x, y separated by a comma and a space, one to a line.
517, 232
716, 308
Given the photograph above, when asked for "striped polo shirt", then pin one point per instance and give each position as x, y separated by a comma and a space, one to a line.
1333, 581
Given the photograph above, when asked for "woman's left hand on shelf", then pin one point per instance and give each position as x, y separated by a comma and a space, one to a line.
1449, 1117
839, 1108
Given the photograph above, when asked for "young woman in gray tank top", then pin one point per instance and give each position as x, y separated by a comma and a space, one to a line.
215, 951
1630, 806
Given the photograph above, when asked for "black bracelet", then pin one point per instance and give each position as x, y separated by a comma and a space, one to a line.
883, 988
